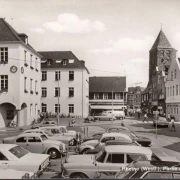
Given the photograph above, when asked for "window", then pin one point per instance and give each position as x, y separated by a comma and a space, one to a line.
21, 140
44, 75
71, 108
176, 176
36, 110
173, 90
176, 90
71, 92
158, 175
171, 75
25, 83
105, 96
170, 91
57, 92
2, 157
31, 56
101, 156
118, 96
115, 158
135, 157
57, 108
57, 75
36, 61
64, 62
25, 57
34, 139
44, 91
31, 110
44, 107
175, 74
31, 84
4, 82
177, 110
48, 62
35, 86
96, 96
4, 55
71, 75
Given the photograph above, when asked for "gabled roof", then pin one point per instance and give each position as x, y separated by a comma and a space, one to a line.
161, 41
53, 56
146, 91
9, 34
105, 84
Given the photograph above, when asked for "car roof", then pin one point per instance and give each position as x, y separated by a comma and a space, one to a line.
119, 141
29, 135
116, 134
120, 127
7, 146
34, 130
127, 149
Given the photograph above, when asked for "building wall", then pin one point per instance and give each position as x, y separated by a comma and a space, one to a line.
173, 98
81, 90
16, 94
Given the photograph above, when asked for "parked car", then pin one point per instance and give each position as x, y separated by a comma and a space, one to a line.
14, 174
96, 136
99, 147
38, 143
44, 124
89, 119
105, 117
85, 146
119, 114
111, 158
64, 133
150, 170
162, 121
15, 157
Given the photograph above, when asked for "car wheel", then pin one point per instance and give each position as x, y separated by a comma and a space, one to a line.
78, 176
84, 151
54, 153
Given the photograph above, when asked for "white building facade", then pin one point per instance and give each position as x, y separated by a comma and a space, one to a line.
64, 75
20, 77
173, 89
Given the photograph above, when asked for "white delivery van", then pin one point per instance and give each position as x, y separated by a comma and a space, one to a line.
119, 114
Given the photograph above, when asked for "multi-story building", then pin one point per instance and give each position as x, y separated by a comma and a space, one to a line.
134, 97
107, 93
160, 57
19, 77
173, 89
145, 105
64, 75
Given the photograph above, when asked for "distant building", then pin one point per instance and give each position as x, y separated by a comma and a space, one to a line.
145, 105
134, 97
19, 77
64, 75
107, 93
160, 57
173, 89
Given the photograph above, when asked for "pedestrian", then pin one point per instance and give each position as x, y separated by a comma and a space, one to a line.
122, 123
139, 115
145, 117
169, 117
172, 124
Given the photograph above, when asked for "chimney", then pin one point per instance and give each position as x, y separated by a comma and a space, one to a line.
82, 62
23, 37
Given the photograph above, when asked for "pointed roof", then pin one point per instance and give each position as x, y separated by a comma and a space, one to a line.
161, 41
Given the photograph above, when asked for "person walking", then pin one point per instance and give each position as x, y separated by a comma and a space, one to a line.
139, 115
172, 124
145, 117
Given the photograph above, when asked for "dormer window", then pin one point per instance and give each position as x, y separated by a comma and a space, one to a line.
48, 62
64, 62
26, 40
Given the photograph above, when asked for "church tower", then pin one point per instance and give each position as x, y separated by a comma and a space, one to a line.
160, 57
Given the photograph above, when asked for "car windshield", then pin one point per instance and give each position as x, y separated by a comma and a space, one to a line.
100, 156
43, 137
18, 151
125, 174
56, 131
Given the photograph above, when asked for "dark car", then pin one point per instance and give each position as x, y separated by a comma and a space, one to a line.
96, 136
145, 170
98, 147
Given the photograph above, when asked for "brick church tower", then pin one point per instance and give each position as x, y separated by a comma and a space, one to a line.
160, 57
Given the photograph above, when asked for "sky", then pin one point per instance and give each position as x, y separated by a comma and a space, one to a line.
113, 37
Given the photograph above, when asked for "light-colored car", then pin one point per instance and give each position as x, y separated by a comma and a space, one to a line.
119, 114
61, 131
14, 174
18, 158
105, 137
38, 143
44, 124
105, 117
162, 121
111, 158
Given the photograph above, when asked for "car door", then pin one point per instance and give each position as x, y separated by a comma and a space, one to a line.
157, 175
35, 145
112, 162
22, 141
4, 162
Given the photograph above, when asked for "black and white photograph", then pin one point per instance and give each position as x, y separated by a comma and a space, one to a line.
89, 89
